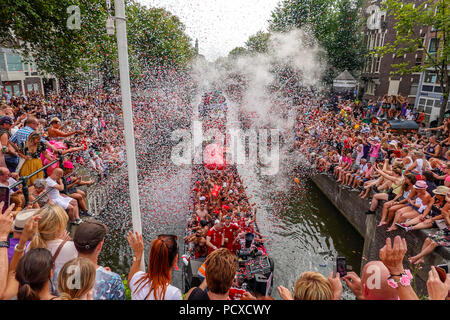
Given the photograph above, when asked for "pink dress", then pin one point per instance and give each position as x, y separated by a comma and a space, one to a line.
58, 145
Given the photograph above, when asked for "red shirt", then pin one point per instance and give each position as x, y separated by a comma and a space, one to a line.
242, 223
229, 231
249, 229
235, 294
215, 236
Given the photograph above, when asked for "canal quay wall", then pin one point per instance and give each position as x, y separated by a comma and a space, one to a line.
353, 208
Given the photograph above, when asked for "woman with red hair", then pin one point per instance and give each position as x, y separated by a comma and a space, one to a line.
155, 283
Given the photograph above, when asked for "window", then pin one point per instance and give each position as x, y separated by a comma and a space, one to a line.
430, 77
16, 90
14, 62
381, 41
433, 47
36, 87
2, 62
370, 88
427, 88
413, 90
29, 87
377, 64
8, 89
418, 59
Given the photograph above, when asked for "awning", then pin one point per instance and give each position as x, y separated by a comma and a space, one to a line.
403, 125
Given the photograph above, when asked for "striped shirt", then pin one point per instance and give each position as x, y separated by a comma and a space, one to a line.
21, 136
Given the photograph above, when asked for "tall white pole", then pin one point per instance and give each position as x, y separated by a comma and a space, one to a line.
121, 33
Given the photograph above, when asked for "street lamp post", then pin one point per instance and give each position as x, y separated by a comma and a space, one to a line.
121, 33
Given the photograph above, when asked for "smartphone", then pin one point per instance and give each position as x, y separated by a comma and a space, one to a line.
341, 266
442, 271
4, 197
443, 266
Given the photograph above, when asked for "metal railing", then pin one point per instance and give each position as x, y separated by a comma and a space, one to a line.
24, 181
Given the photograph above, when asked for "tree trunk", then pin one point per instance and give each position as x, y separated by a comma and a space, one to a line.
443, 108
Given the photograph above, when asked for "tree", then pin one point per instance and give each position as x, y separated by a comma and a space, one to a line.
334, 23
431, 15
258, 43
237, 52
43, 29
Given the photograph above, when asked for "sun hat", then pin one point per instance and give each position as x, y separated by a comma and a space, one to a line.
420, 185
441, 190
68, 165
22, 218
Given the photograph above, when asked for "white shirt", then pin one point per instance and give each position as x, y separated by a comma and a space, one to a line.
53, 193
68, 252
172, 293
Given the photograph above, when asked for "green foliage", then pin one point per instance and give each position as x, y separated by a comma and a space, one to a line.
336, 25
409, 18
237, 52
125, 285
39, 28
258, 43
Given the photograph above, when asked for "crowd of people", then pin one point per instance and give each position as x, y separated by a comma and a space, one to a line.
405, 173
409, 172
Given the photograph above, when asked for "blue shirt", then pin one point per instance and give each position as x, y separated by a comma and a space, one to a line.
21, 136
108, 286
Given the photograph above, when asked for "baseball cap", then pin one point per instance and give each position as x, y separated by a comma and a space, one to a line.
6, 119
89, 234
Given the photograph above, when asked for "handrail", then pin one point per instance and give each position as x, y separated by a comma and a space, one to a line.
24, 180
43, 194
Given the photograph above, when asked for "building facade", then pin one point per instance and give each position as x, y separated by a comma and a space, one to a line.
429, 92
19, 77
377, 80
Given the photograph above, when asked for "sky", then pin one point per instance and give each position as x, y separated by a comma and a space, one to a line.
219, 25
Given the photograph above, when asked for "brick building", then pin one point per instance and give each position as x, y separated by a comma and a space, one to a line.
19, 77
376, 77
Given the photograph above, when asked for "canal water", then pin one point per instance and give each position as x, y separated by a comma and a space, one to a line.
305, 231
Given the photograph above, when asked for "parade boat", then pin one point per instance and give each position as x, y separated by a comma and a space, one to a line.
255, 269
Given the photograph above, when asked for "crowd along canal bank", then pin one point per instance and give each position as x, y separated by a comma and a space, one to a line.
353, 208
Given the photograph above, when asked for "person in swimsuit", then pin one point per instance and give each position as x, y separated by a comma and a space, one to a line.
432, 149
396, 186
439, 238
432, 214
389, 207
414, 208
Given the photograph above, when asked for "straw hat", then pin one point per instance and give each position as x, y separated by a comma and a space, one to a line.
441, 190
22, 218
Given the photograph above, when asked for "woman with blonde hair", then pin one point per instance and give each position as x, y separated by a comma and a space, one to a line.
76, 279
314, 286
31, 151
52, 235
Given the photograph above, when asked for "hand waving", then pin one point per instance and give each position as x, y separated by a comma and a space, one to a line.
392, 255
136, 243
